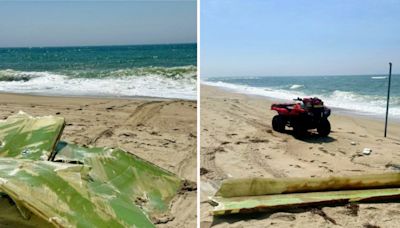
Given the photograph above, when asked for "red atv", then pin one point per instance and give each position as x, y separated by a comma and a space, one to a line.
307, 113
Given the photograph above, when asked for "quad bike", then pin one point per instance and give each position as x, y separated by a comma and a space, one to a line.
305, 114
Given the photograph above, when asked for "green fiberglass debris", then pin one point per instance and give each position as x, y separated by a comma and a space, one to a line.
247, 195
72, 186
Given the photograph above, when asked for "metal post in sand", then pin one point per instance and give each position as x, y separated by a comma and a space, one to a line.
388, 96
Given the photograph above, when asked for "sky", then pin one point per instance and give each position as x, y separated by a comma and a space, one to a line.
90, 22
299, 37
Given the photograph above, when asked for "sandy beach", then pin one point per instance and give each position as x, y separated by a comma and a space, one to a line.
237, 140
161, 131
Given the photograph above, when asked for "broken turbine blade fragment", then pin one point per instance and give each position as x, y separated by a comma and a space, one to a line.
249, 204
255, 194
103, 188
24, 136
265, 186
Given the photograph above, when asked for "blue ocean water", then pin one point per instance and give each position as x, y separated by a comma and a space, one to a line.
138, 70
365, 94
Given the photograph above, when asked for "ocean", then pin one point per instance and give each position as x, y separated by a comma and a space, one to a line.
167, 71
361, 94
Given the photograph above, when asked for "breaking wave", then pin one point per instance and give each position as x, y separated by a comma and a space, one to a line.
167, 72
167, 82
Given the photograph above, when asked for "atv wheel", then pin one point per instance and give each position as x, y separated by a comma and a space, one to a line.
278, 123
324, 128
299, 130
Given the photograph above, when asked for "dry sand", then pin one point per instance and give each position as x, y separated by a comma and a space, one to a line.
237, 140
160, 131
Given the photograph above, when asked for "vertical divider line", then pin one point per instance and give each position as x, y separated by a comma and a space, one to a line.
198, 115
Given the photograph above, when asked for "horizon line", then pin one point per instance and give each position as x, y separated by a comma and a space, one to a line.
100, 45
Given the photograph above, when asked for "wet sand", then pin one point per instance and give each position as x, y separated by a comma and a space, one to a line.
161, 131
237, 140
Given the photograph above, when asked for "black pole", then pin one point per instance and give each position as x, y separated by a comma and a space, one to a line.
388, 95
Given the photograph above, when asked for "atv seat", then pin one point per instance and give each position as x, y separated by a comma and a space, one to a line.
288, 109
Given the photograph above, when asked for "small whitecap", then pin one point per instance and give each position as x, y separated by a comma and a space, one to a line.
296, 86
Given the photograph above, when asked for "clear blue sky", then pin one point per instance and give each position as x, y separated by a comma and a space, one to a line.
299, 37
63, 23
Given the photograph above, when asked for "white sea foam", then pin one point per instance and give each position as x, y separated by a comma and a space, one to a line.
56, 84
379, 77
338, 99
296, 86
